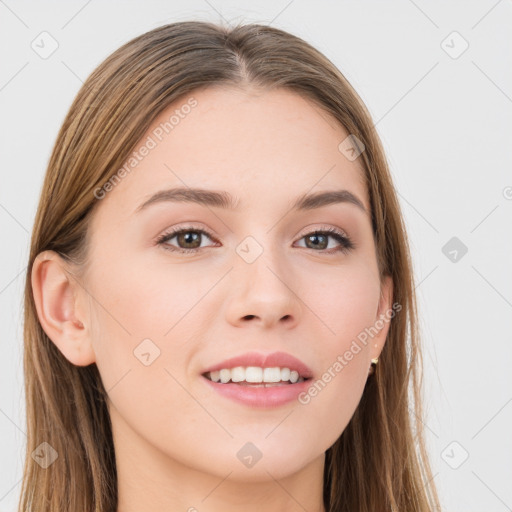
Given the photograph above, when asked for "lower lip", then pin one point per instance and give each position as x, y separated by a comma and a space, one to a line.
253, 396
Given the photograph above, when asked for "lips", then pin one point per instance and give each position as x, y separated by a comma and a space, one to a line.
262, 395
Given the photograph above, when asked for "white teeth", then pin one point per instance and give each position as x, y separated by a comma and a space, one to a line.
255, 374
238, 374
272, 375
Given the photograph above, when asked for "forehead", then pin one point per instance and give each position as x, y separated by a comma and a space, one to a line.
252, 143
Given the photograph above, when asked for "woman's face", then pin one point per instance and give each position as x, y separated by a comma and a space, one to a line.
257, 280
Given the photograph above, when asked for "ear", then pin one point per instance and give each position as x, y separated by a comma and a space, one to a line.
56, 295
383, 317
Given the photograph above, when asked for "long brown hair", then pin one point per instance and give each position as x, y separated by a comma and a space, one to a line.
379, 462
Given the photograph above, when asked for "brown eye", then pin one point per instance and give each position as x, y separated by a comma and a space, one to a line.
188, 239
320, 240
315, 243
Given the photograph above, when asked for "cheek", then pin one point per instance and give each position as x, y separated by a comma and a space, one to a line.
144, 320
347, 309
143, 371
345, 303
148, 301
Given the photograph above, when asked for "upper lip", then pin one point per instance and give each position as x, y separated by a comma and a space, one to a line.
280, 359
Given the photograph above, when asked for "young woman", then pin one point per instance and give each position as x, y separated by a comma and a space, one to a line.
219, 308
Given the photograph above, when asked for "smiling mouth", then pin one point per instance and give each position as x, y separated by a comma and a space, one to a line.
256, 377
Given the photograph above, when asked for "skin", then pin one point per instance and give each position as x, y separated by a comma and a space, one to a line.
176, 440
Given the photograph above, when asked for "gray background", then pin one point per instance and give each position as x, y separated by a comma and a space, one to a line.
444, 117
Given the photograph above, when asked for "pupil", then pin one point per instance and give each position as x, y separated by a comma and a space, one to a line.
311, 237
189, 237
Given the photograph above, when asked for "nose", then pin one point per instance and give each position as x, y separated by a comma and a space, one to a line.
262, 293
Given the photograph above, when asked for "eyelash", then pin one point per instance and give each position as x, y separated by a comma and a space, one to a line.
346, 243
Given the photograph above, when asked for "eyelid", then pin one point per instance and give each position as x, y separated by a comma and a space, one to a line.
305, 231
322, 227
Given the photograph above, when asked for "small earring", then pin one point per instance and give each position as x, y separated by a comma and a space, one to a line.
371, 371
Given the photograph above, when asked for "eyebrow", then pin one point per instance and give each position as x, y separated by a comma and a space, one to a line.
221, 199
